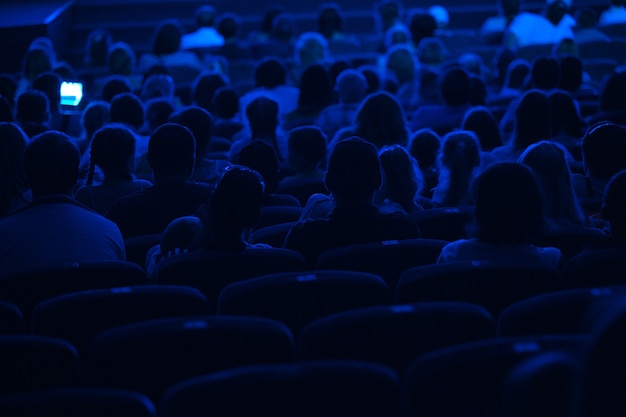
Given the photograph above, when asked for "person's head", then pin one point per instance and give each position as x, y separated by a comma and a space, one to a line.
586, 18
509, 8
51, 163
236, 203
458, 160
228, 25
113, 151
354, 172
310, 48
424, 147
283, 28
401, 62
508, 204
315, 89
478, 94
32, 107
157, 86
126, 108
351, 86
482, 122
49, 83
613, 92
171, 152
381, 120
204, 88
262, 115
121, 59
402, 177
456, 87
167, 37
544, 74
226, 103
270, 73
372, 76
13, 142
261, 157
307, 148
556, 9
566, 116
533, 119
97, 48
37, 61
431, 51
501, 61
114, 85
614, 204
517, 74
270, 16
388, 13
338, 66
329, 19
95, 115
421, 25
397, 35
179, 235
199, 122
604, 150
158, 111
8, 87
548, 161
205, 16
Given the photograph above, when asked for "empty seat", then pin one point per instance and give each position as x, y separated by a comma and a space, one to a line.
387, 259
562, 312
77, 402
211, 271
317, 388
30, 362
394, 335
493, 285
296, 299
79, 317
148, 357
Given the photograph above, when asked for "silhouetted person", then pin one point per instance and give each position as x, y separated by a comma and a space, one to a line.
54, 228
32, 112
14, 189
353, 177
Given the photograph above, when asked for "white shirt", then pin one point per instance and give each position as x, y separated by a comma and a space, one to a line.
533, 29
204, 37
612, 15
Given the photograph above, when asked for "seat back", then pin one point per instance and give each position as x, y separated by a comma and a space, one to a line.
272, 235
151, 356
296, 298
446, 223
11, 319
137, 247
599, 268
570, 241
211, 271
394, 335
387, 259
79, 317
317, 388
272, 215
493, 285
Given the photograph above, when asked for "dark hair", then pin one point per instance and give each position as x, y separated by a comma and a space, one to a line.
113, 150
545, 73
262, 115
381, 120
121, 59
509, 204
566, 116
517, 74
8, 87
613, 92
403, 178
167, 37
37, 61
315, 89
556, 10
270, 16
478, 95
483, 123
460, 156
329, 19
421, 25
95, 115
13, 183
533, 119
228, 25
49, 83
571, 76
199, 122
127, 108
97, 48
372, 77
114, 85
604, 150
354, 170
205, 15
614, 201
262, 158
226, 102
158, 111
6, 112
51, 163
424, 147
270, 73
172, 150
283, 28
308, 145
205, 86
456, 86
32, 107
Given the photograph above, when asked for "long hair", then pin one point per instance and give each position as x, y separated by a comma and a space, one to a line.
459, 157
403, 178
381, 120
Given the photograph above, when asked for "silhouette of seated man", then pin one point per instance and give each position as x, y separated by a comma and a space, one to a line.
353, 177
171, 156
54, 228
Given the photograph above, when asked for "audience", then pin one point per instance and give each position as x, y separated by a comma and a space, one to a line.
615, 14
54, 228
402, 182
205, 35
14, 188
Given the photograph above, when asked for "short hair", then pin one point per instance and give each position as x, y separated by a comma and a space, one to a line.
262, 115
237, 199
354, 170
310, 47
113, 150
508, 204
205, 15
199, 122
351, 86
97, 47
270, 73
95, 115
158, 85
329, 19
228, 25
310, 143
262, 158
172, 150
614, 200
545, 73
121, 59
226, 102
431, 51
32, 107
158, 111
424, 146
127, 108
604, 150
421, 25
401, 62
51, 163
167, 37
50, 84
456, 86
517, 74
114, 85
